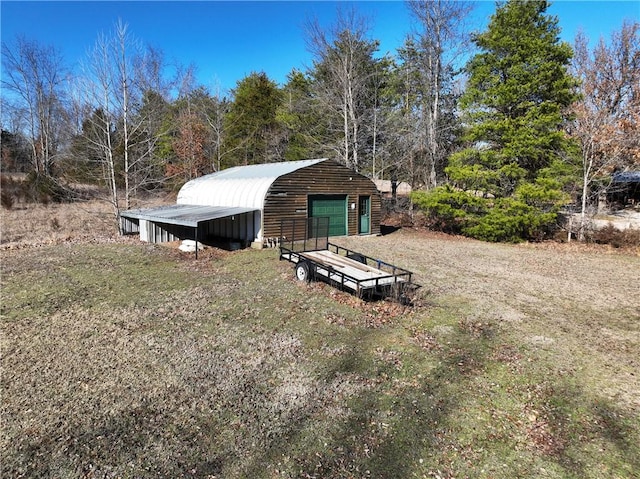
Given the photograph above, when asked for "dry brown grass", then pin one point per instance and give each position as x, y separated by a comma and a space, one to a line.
33, 224
121, 359
580, 302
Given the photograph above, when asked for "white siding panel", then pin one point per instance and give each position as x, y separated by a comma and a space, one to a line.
144, 230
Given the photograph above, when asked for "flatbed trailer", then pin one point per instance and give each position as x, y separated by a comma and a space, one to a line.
305, 243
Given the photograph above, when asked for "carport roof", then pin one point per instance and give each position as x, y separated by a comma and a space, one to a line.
185, 215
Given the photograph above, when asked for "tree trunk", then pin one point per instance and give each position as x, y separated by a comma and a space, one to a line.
122, 31
586, 173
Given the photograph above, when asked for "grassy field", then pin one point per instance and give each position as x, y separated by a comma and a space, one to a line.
121, 359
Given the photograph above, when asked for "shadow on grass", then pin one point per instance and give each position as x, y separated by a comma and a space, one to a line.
388, 426
387, 229
360, 409
584, 421
396, 424
125, 446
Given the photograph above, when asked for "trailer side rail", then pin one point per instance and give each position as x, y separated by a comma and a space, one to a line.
389, 268
320, 268
306, 240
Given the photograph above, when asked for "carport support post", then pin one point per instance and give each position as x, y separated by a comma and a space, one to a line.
196, 241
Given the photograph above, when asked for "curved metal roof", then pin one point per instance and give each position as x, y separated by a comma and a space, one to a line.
626, 177
241, 186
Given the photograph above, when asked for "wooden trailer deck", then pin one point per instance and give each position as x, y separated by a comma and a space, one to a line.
350, 273
305, 243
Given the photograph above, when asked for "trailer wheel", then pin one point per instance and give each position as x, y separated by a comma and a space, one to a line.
303, 271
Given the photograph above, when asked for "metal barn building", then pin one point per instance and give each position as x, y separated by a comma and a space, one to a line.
624, 189
245, 205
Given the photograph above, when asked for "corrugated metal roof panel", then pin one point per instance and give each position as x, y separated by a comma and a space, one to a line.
626, 177
184, 215
265, 170
244, 186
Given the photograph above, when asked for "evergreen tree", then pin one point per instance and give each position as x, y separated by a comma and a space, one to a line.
189, 144
506, 185
302, 122
254, 134
85, 158
147, 170
14, 152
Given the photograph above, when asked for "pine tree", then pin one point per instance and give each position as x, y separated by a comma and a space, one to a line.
301, 121
254, 135
506, 185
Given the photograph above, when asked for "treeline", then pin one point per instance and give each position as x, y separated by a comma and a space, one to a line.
494, 148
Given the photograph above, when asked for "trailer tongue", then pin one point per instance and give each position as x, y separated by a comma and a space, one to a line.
305, 242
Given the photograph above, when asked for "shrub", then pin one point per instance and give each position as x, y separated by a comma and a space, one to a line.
44, 189
448, 209
7, 199
611, 235
530, 215
511, 221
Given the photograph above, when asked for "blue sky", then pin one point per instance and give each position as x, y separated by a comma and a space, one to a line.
229, 40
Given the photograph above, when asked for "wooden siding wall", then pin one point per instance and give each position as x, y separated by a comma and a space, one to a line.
287, 197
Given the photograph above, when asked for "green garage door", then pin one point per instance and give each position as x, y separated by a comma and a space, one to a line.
333, 206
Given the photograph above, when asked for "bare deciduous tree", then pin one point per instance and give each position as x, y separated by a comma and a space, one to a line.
343, 70
190, 147
433, 53
214, 113
607, 117
36, 76
109, 87
122, 85
96, 91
